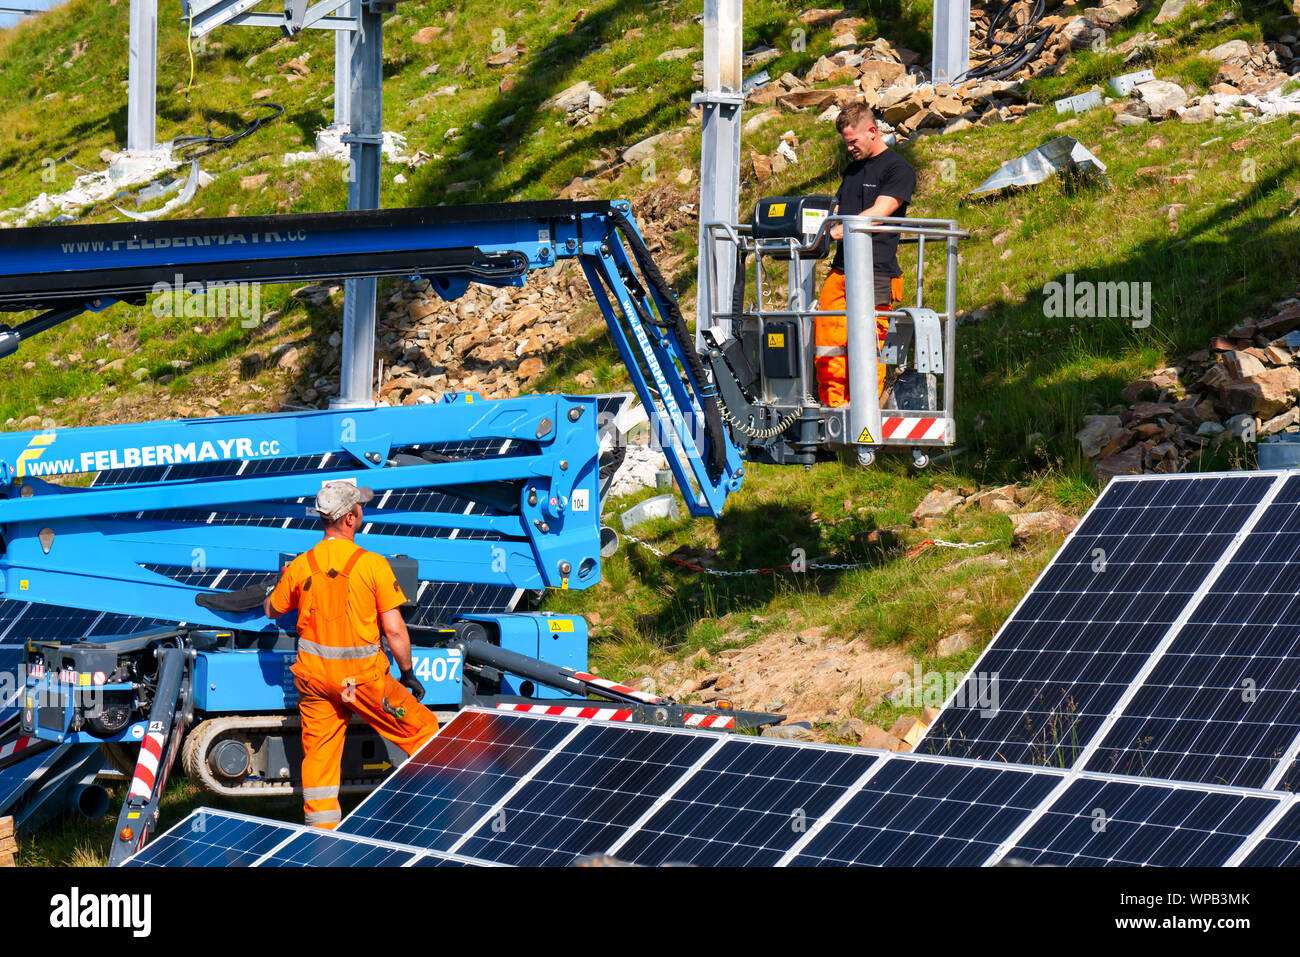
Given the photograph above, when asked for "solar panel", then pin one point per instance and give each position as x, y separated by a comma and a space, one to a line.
208, 838
1109, 822
212, 838
444, 790
322, 850
596, 786
918, 814
1068, 654
748, 804
535, 790
532, 790
1222, 703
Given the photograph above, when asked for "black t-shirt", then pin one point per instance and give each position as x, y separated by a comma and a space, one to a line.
866, 180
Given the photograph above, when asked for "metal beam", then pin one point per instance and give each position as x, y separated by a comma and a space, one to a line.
721, 102
366, 95
142, 77
951, 48
204, 18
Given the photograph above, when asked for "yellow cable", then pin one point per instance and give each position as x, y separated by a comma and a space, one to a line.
189, 48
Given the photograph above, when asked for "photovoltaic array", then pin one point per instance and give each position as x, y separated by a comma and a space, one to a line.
1079, 638
533, 790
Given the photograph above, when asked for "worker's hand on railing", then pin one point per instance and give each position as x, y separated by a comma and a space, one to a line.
413, 683
837, 231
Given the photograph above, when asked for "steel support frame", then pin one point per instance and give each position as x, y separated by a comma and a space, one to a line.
364, 138
951, 47
142, 77
721, 102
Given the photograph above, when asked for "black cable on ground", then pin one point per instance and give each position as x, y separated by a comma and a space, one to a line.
1009, 57
210, 143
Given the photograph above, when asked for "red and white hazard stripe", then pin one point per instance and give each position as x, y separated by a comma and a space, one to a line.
902, 429
710, 721
14, 746
146, 768
615, 686
563, 711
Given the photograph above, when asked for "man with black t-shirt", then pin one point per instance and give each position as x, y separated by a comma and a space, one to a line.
877, 182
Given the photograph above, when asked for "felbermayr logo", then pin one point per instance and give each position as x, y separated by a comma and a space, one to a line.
35, 449
32, 463
78, 911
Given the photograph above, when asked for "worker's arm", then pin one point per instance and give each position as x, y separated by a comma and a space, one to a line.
398, 638
883, 206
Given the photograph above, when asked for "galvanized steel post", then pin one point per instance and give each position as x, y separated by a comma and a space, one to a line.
721, 102
860, 313
365, 138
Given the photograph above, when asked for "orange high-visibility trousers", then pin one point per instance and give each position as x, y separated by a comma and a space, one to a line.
387, 706
831, 340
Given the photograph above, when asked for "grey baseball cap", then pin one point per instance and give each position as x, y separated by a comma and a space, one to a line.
336, 499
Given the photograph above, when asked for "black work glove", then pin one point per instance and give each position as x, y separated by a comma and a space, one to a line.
408, 678
245, 599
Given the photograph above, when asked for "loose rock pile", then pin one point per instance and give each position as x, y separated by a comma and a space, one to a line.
1249, 81
1027, 521
1243, 387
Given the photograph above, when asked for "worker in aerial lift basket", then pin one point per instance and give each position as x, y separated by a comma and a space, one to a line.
877, 182
343, 594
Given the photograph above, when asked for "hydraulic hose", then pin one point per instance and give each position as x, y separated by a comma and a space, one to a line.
707, 393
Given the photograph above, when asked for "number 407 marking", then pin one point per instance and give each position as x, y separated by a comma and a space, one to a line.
438, 668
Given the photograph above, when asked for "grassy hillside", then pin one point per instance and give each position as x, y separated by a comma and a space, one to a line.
1025, 381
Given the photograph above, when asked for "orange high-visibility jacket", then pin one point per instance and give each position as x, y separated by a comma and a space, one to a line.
340, 591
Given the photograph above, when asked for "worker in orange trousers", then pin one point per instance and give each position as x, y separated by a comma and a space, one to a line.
343, 595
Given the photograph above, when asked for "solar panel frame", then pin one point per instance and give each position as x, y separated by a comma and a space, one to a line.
1185, 824
1222, 703
1144, 660
276, 844
1021, 815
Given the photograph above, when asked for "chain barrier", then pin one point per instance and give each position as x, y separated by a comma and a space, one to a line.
941, 543
815, 566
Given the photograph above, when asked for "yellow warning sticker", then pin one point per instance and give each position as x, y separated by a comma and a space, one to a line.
23, 584
775, 340
775, 210
560, 624
865, 436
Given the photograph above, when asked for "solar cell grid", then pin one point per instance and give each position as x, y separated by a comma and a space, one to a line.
1104, 823
746, 806
917, 813
596, 786
1223, 702
1076, 642
1280, 846
442, 792
213, 839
